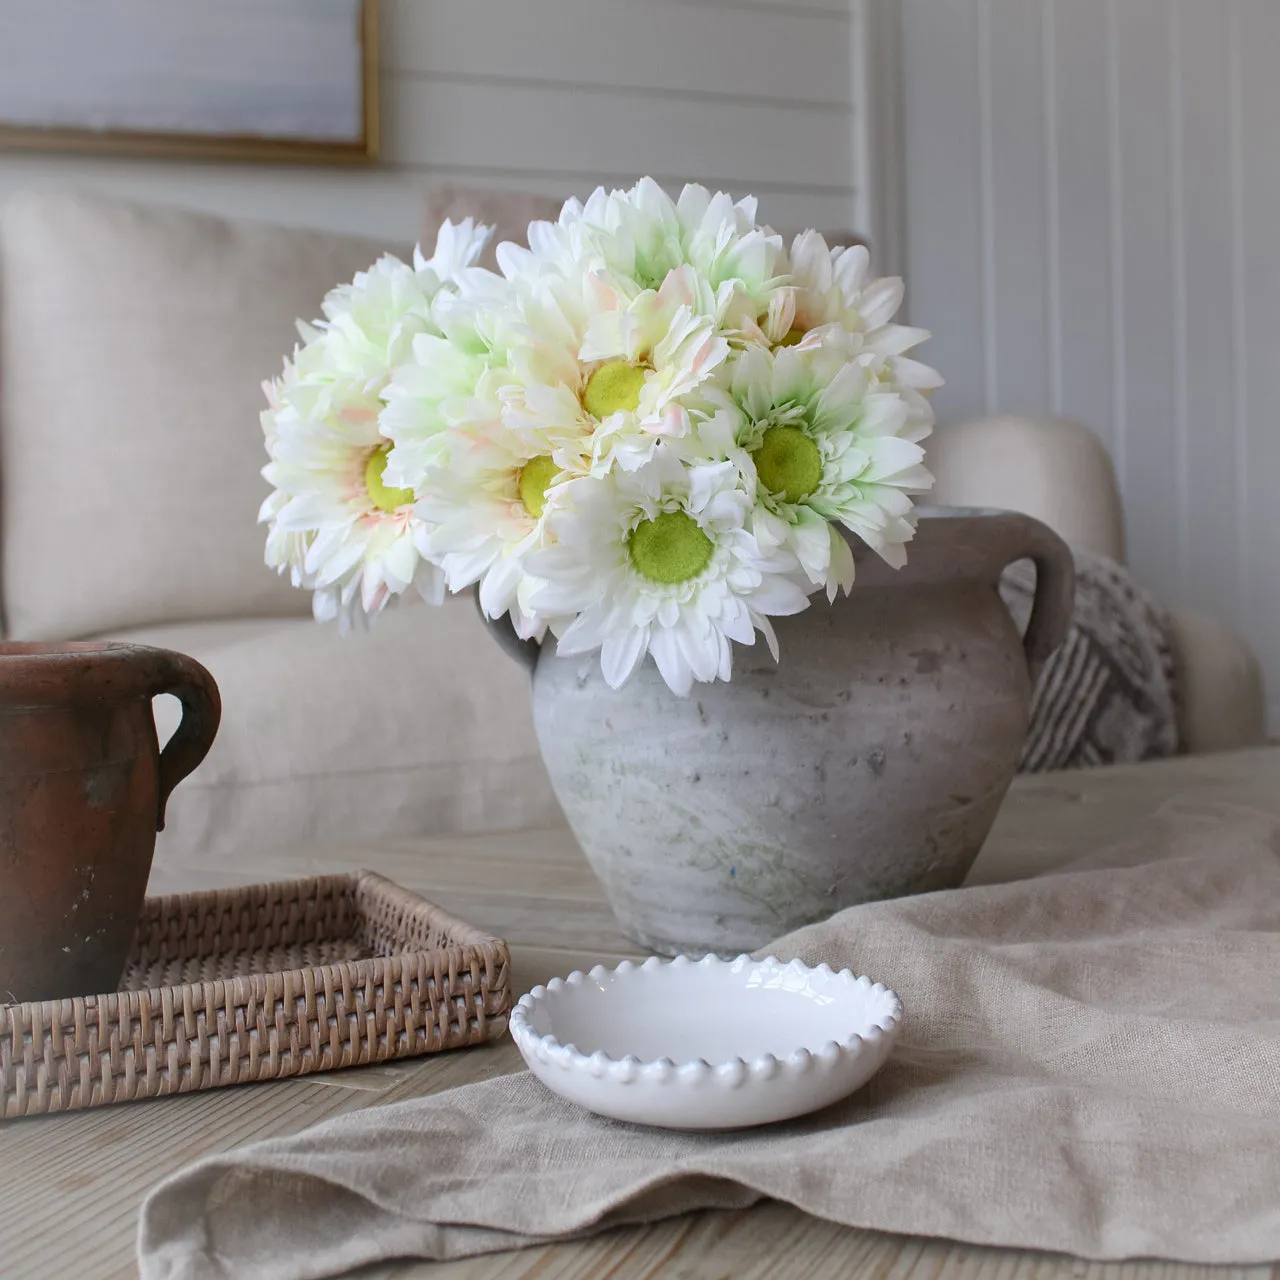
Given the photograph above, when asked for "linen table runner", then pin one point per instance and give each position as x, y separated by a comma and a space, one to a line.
1090, 1063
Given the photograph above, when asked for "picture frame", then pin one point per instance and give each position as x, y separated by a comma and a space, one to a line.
206, 106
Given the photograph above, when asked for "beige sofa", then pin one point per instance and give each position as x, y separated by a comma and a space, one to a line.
132, 345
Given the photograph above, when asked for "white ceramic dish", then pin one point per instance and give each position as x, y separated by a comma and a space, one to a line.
711, 1044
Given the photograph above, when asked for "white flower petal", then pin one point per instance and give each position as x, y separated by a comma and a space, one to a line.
880, 300
842, 567
621, 654
777, 596
672, 664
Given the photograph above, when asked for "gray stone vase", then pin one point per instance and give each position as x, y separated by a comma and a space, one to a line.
868, 763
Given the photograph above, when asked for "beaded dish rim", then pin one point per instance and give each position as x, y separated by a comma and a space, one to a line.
879, 1032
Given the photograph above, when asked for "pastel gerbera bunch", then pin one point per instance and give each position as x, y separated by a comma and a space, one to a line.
647, 435
336, 523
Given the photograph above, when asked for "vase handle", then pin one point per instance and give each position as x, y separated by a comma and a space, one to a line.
525, 652
1055, 596
194, 687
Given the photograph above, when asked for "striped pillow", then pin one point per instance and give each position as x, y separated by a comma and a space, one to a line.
1107, 696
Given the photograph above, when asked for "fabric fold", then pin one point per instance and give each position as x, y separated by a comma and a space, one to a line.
1090, 1064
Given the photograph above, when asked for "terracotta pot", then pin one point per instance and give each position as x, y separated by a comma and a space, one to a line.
83, 787
869, 763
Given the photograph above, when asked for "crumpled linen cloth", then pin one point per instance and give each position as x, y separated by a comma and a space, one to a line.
1089, 1063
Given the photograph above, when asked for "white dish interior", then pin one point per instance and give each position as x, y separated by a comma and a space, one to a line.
708, 1044
684, 1014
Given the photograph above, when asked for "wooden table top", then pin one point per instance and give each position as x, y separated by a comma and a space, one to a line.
70, 1185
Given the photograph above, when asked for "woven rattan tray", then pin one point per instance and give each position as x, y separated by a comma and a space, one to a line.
260, 983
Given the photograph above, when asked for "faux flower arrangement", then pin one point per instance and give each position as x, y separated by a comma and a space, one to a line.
643, 435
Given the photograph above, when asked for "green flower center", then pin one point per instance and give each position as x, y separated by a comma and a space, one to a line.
670, 548
788, 462
383, 496
535, 479
613, 386
791, 337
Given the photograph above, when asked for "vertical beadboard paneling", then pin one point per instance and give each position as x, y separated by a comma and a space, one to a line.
677, 48
1202, 115
1078, 147
1178, 276
1117, 161
1116, 313
1259, 27
1143, 128
1018, 240
1052, 199
944, 233
986, 198
1239, 314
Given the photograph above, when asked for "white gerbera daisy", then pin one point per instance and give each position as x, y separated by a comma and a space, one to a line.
443, 383
832, 287
286, 548
370, 324
660, 560
500, 354
639, 356
483, 504
594, 369
648, 235
475, 418
827, 445
641, 235
335, 522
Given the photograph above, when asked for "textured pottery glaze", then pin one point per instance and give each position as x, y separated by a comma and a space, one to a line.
83, 787
869, 763
711, 1045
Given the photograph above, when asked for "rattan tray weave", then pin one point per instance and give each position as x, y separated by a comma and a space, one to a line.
260, 983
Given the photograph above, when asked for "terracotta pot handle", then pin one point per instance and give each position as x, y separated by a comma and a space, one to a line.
1055, 597
194, 687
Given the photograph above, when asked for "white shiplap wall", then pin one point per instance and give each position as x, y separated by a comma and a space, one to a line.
555, 97
1093, 228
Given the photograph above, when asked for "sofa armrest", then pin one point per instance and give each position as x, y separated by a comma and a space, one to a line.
1051, 468
1219, 684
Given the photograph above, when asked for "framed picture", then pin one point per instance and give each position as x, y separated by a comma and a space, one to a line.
236, 79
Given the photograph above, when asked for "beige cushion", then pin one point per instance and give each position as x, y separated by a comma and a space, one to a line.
421, 726
1219, 681
508, 212
133, 345
1051, 468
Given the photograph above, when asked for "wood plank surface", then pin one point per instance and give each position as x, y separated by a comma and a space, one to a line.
70, 1185
677, 48
739, 145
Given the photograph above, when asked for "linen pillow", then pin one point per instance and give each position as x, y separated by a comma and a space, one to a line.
1108, 693
133, 345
